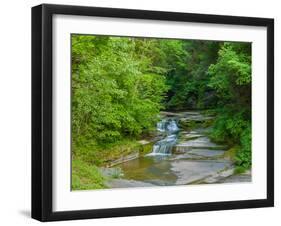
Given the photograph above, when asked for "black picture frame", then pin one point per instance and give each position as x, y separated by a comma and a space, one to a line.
42, 111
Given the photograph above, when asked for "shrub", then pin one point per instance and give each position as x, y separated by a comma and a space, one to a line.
244, 154
85, 176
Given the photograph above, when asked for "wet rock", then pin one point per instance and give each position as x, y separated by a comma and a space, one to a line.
170, 114
238, 178
191, 171
207, 152
199, 143
123, 159
190, 121
123, 183
227, 176
179, 149
201, 154
185, 156
218, 176
192, 136
197, 118
115, 172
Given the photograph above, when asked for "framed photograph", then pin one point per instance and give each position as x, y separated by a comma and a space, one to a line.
146, 112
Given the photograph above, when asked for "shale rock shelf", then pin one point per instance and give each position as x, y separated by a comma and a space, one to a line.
182, 156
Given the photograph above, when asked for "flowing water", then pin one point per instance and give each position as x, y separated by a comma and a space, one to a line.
181, 156
164, 147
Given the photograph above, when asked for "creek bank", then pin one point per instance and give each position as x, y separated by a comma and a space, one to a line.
142, 149
182, 156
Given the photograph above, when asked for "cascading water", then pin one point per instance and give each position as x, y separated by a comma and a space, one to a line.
161, 125
164, 146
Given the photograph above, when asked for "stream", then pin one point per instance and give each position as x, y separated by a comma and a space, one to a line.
182, 156
170, 128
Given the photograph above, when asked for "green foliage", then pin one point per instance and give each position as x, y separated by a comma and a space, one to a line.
231, 79
85, 176
244, 155
234, 130
120, 84
231, 75
113, 96
228, 126
98, 154
190, 84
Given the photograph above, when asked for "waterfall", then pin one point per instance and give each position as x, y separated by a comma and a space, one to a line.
164, 146
167, 125
161, 125
172, 126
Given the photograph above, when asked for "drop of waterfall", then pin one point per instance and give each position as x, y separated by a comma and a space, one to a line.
161, 125
172, 126
164, 146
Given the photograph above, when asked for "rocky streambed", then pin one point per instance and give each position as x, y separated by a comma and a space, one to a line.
184, 155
